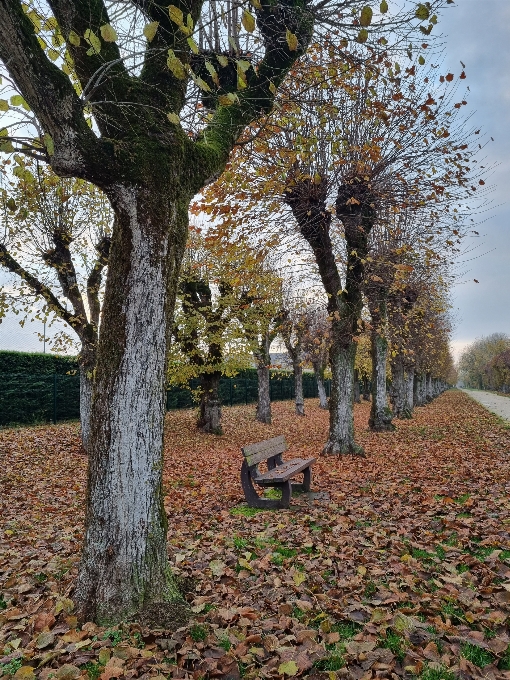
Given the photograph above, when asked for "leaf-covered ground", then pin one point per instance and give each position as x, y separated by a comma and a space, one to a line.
403, 572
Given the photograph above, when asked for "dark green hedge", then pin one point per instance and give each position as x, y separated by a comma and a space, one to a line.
29, 399
35, 363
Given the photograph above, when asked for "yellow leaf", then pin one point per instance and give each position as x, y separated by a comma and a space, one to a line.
200, 82
362, 570
256, 4
228, 99
362, 36
74, 39
173, 118
405, 558
298, 577
422, 12
53, 55
175, 65
25, 673
288, 668
108, 33
272, 88
248, 21
244, 563
193, 45
243, 65
48, 143
292, 40
93, 41
222, 60
4, 105
212, 72
383, 7
150, 30
176, 15
366, 16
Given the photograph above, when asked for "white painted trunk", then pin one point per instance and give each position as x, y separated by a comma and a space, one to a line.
298, 388
124, 569
86, 385
380, 413
341, 402
429, 392
321, 389
263, 414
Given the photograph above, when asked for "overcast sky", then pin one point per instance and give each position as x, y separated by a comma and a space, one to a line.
478, 34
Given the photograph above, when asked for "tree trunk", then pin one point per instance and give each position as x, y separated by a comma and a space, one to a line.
409, 393
429, 393
366, 389
263, 414
124, 570
298, 387
380, 413
321, 389
86, 386
399, 387
209, 419
357, 393
419, 389
341, 402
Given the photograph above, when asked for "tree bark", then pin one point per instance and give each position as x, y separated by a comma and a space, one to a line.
341, 422
86, 386
357, 393
409, 403
209, 419
321, 388
366, 389
298, 387
419, 395
380, 413
402, 407
429, 393
124, 568
263, 414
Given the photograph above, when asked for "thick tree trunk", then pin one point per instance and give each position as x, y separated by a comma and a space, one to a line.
209, 418
399, 387
263, 359
429, 392
366, 389
86, 385
321, 389
357, 393
419, 395
341, 402
124, 571
409, 393
263, 414
298, 387
380, 413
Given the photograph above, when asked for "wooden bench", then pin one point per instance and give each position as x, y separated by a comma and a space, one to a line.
279, 473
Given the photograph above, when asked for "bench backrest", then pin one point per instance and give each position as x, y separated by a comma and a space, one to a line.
257, 453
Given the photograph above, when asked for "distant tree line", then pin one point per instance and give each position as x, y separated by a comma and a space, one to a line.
485, 363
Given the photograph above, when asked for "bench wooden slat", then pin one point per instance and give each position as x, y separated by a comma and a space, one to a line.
284, 472
256, 453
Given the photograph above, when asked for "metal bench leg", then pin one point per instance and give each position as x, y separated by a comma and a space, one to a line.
254, 500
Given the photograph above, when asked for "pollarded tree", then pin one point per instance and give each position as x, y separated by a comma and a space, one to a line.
316, 346
341, 159
101, 93
56, 240
292, 328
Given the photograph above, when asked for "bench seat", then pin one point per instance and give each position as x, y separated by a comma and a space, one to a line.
284, 472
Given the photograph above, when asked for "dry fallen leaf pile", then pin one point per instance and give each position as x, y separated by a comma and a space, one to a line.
402, 570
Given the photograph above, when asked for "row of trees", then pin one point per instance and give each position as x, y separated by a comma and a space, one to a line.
485, 363
349, 164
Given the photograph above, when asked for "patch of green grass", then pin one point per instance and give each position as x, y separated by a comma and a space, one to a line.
114, 635
505, 555
41, 578
346, 629
198, 632
440, 552
405, 605
333, 662
224, 643
245, 511
441, 673
308, 550
422, 555
395, 643
3, 603
285, 552
463, 515
274, 493
242, 667
462, 568
239, 543
431, 629
452, 611
453, 540
462, 499
432, 586
11, 667
370, 589
277, 559
488, 634
298, 613
139, 640
93, 669
481, 552
504, 663
362, 523
478, 656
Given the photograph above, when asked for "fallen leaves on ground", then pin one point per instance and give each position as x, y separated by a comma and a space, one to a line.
402, 569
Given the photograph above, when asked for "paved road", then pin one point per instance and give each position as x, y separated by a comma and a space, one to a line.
492, 402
